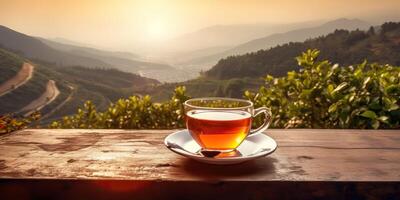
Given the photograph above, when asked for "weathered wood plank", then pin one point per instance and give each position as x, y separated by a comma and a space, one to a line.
303, 155
127, 164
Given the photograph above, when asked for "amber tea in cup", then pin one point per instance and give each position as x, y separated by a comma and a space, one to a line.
221, 124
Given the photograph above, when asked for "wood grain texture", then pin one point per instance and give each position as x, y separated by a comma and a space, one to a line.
332, 159
311, 155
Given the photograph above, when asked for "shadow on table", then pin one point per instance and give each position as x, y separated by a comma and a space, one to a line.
260, 166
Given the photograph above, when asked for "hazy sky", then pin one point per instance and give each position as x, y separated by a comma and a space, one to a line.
115, 23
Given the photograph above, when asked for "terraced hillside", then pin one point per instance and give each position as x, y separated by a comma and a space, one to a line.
16, 98
19, 79
48, 96
58, 91
10, 64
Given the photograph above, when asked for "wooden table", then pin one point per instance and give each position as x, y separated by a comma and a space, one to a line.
134, 164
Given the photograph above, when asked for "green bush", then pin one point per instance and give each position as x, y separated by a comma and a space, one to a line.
321, 95
10, 123
134, 113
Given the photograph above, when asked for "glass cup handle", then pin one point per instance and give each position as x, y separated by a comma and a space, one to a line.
267, 120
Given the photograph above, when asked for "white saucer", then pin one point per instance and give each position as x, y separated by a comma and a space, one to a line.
254, 146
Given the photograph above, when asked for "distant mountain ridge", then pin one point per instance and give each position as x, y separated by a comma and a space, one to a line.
33, 48
68, 55
229, 35
297, 35
341, 46
181, 50
66, 45
121, 60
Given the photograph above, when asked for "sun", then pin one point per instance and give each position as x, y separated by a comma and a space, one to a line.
156, 30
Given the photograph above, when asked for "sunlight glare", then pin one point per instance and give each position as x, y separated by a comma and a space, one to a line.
156, 30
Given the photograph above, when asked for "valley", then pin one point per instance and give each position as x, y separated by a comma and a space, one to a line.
57, 87
58, 91
232, 75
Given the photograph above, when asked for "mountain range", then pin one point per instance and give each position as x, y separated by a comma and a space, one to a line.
297, 35
225, 36
69, 55
380, 44
235, 74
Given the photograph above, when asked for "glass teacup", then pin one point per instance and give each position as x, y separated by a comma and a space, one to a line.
222, 124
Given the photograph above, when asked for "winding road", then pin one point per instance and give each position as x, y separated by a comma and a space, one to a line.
59, 106
19, 79
46, 98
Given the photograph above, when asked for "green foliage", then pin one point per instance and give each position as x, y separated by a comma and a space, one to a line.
134, 112
9, 123
323, 95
